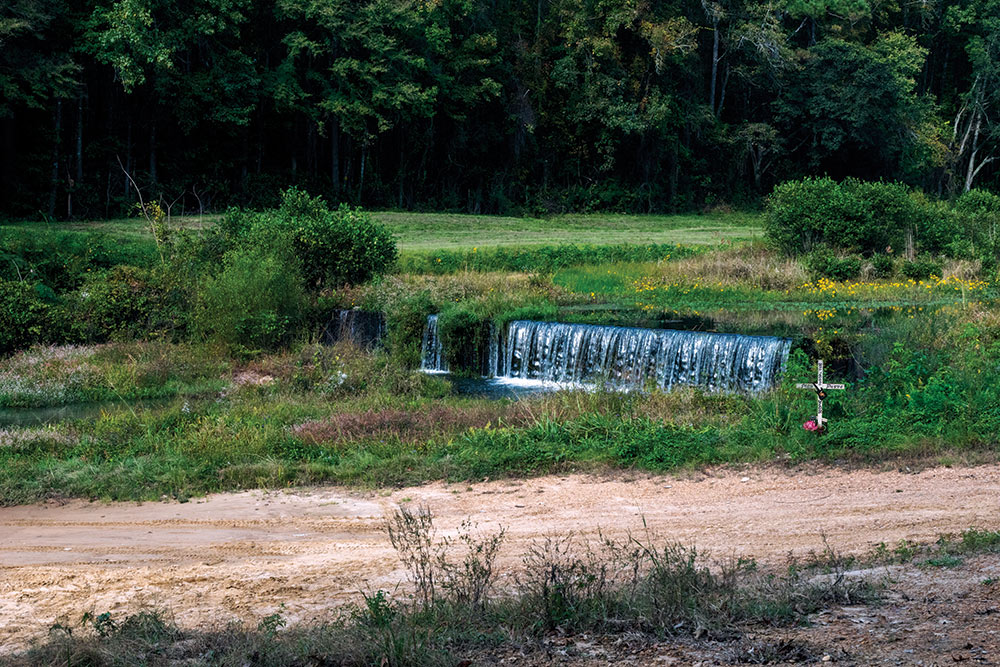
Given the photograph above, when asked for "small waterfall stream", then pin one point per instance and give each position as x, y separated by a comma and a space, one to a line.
362, 327
432, 359
623, 358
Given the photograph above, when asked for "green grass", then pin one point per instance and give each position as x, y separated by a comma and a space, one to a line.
444, 231
448, 231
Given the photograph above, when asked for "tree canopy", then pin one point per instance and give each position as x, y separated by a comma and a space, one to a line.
505, 106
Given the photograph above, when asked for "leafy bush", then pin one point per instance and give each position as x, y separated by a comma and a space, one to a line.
465, 338
824, 264
124, 303
921, 268
255, 302
405, 324
982, 213
857, 216
23, 315
883, 266
346, 246
63, 260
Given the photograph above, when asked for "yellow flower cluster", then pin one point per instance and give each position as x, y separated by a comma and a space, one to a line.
832, 288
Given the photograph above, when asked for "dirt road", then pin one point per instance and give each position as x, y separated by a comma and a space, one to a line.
244, 555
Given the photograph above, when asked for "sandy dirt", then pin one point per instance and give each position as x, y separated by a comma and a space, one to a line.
246, 555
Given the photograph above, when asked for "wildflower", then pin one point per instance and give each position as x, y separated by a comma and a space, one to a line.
811, 425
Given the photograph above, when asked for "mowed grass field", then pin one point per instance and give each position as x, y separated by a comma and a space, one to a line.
446, 231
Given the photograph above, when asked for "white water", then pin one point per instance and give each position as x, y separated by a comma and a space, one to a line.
623, 358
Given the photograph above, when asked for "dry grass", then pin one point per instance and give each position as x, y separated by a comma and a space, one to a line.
745, 265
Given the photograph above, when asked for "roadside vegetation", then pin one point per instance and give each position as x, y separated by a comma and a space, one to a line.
615, 596
200, 346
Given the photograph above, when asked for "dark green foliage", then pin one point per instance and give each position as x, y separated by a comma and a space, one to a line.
982, 213
497, 107
345, 246
23, 315
854, 215
255, 302
870, 218
883, 266
124, 303
823, 263
921, 268
405, 324
63, 260
465, 335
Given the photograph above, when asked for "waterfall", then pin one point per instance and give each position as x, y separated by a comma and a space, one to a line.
632, 358
432, 359
361, 327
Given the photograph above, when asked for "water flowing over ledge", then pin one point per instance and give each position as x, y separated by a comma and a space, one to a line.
361, 327
622, 358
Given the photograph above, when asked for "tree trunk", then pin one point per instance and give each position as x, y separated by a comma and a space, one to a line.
8, 158
55, 159
128, 159
361, 177
715, 64
152, 152
335, 156
970, 172
722, 92
79, 138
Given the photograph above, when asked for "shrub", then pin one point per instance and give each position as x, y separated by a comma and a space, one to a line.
981, 210
883, 266
23, 315
405, 324
63, 260
855, 215
255, 302
921, 268
124, 303
346, 246
824, 264
464, 337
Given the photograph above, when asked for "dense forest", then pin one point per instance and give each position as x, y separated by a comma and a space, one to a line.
525, 106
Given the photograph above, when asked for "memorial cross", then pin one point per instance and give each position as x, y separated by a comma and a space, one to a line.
820, 388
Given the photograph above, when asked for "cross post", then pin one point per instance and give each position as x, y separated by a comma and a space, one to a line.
820, 388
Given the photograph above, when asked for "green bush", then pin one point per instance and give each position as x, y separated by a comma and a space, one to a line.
255, 302
981, 210
63, 260
124, 303
921, 268
883, 266
405, 323
346, 246
464, 335
823, 263
23, 316
856, 216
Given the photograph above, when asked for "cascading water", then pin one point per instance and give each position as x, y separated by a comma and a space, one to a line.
361, 327
432, 359
621, 358
632, 358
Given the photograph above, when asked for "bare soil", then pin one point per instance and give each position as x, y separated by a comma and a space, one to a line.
305, 552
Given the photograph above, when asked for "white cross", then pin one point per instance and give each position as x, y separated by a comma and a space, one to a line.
820, 388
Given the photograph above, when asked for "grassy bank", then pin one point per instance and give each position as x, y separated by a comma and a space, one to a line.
318, 414
427, 232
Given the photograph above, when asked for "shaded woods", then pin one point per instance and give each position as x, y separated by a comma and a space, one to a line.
506, 106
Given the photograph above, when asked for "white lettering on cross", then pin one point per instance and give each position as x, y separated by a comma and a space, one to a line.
820, 388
